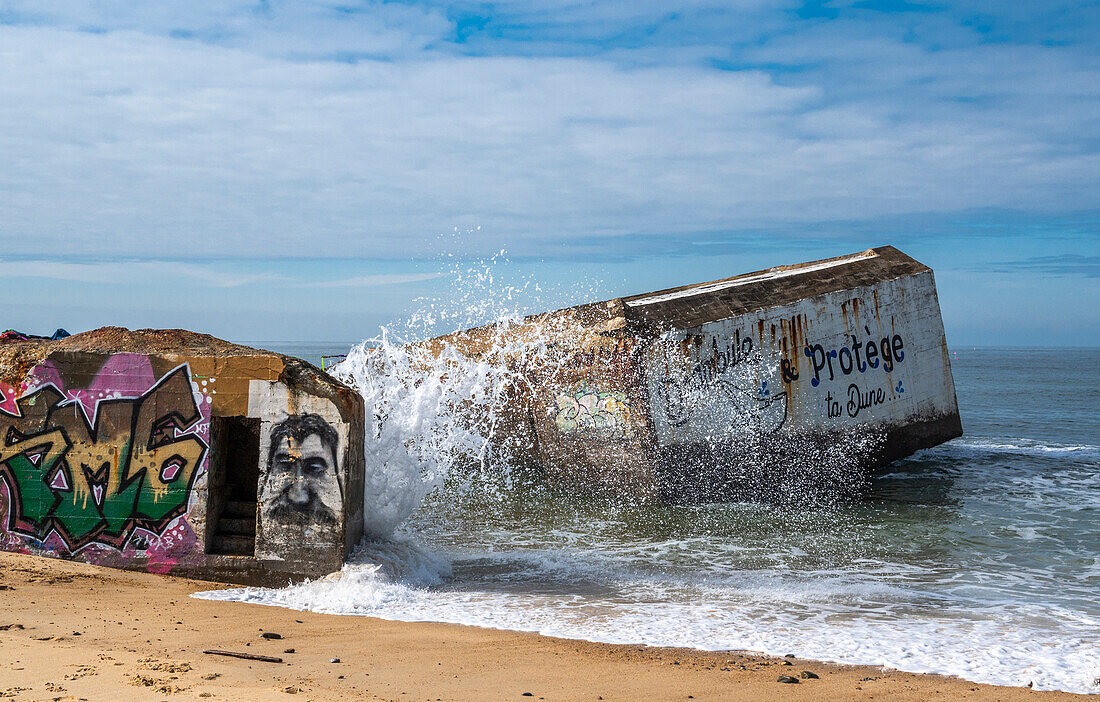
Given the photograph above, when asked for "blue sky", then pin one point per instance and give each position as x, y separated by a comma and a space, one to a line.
310, 170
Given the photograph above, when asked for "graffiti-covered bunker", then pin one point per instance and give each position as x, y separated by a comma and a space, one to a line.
704, 391
179, 453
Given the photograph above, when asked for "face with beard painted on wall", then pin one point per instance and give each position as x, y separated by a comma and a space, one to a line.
302, 487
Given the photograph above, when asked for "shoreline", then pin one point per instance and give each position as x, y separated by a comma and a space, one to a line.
75, 631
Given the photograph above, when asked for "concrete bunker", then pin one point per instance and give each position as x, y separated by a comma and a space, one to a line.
178, 453
707, 391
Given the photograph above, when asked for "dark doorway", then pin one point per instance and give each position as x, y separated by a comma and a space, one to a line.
234, 480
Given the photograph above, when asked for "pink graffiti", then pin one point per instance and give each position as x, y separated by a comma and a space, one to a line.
122, 376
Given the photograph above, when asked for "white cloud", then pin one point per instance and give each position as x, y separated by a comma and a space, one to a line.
136, 272
370, 281
299, 28
130, 143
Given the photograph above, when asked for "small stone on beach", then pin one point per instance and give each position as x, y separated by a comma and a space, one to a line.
334, 660
809, 675
271, 635
786, 679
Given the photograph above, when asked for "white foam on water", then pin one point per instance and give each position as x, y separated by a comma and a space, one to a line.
427, 425
833, 619
1024, 446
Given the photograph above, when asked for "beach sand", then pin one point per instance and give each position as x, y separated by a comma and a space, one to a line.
70, 631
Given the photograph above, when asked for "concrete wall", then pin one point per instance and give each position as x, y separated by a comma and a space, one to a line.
591, 417
101, 460
868, 366
873, 356
301, 507
831, 365
116, 459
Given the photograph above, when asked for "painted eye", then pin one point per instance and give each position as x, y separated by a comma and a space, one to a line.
314, 465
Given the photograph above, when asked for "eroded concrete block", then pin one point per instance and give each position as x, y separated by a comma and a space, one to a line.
178, 453
708, 391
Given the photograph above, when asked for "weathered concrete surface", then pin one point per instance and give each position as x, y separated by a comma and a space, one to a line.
681, 393
863, 353
177, 452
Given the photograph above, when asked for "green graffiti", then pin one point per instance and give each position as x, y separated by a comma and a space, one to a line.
96, 483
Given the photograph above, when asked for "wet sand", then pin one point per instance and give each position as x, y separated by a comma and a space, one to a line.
70, 631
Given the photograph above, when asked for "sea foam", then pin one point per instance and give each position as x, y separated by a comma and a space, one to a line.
937, 570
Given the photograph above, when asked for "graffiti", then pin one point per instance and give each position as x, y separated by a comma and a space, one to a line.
302, 486
585, 408
790, 374
98, 475
716, 385
762, 410
886, 352
721, 361
858, 400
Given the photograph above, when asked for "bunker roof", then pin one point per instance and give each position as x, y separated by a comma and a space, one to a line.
17, 358
691, 305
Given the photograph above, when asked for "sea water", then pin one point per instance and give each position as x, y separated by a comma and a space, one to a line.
979, 558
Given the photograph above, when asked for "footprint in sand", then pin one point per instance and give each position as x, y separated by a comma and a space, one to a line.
82, 671
165, 666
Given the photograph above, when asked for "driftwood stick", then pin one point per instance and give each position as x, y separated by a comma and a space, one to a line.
248, 656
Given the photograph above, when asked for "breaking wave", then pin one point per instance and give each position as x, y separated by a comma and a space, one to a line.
980, 558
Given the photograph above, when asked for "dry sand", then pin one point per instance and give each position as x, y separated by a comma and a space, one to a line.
70, 631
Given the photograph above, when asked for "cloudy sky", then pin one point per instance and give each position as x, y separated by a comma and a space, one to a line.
309, 170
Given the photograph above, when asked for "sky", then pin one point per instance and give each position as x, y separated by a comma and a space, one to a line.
301, 171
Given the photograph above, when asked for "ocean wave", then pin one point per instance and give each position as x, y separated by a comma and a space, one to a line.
988, 445
995, 645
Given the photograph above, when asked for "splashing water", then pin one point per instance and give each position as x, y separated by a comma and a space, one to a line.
980, 558
435, 408
429, 412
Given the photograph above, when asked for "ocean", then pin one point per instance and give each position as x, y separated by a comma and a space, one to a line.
979, 558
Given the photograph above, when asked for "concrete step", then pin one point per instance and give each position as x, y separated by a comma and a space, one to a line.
234, 545
237, 509
237, 527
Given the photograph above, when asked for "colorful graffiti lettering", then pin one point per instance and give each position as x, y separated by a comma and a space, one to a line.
585, 408
95, 475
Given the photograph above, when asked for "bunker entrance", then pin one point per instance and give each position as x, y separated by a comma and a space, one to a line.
233, 483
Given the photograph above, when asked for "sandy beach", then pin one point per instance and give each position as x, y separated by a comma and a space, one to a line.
70, 631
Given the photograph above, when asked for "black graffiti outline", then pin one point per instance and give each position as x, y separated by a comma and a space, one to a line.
174, 419
680, 412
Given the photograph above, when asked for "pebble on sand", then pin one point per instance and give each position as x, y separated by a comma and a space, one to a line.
786, 679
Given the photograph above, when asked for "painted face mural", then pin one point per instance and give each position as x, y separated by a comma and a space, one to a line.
302, 487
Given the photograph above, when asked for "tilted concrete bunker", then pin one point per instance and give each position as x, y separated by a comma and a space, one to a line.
178, 453
682, 393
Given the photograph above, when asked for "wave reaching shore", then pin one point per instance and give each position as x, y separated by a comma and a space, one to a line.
979, 558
